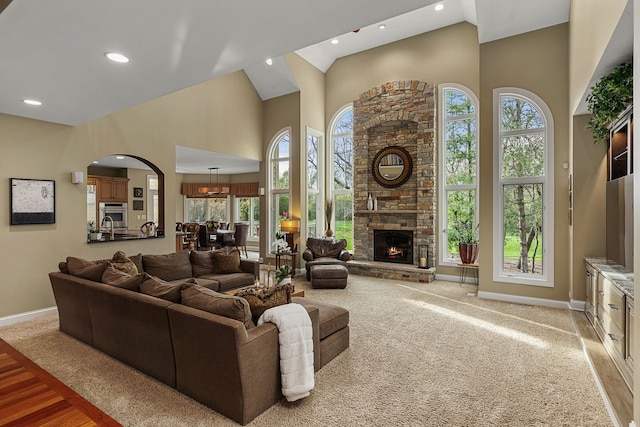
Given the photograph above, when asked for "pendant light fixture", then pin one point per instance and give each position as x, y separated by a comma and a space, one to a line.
211, 189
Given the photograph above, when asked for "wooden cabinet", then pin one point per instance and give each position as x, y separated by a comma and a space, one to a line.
612, 325
620, 152
591, 282
629, 324
112, 189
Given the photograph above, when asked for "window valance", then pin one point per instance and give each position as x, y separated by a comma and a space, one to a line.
242, 189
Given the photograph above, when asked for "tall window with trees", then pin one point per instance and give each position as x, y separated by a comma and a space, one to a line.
341, 174
201, 209
315, 167
279, 162
523, 247
248, 211
458, 168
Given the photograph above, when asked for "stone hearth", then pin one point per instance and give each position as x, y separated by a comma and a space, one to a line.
400, 113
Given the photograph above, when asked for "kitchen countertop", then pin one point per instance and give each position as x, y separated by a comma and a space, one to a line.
619, 275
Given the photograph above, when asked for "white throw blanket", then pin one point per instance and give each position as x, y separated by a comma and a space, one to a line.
296, 348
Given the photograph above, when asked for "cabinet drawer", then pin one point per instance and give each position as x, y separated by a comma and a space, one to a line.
613, 304
613, 336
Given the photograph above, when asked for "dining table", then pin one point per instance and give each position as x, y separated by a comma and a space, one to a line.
224, 236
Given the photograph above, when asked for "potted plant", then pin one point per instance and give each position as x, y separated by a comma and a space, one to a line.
468, 242
609, 97
283, 274
94, 232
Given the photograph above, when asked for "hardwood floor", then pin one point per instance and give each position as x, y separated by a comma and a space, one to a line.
617, 392
29, 395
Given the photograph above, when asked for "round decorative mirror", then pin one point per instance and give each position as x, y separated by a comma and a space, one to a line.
392, 166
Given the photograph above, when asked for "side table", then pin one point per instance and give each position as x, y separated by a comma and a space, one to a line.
279, 260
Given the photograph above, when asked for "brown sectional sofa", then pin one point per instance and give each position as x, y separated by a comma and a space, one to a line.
220, 361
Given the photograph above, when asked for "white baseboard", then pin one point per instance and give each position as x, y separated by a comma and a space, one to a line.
524, 300
449, 278
29, 315
577, 305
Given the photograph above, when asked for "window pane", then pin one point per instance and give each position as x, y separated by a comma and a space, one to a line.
244, 204
281, 205
312, 162
280, 175
343, 163
461, 219
312, 216
343, 212
518, 114
461, 151
523, 155
457, 103
281, 148
217, 209
523, 228
255, 217
344, 124
201, 209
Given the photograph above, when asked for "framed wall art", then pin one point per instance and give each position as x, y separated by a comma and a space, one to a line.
138, 192
138, 205
33, 201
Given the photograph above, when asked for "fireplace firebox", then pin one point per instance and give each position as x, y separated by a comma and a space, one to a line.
393, 246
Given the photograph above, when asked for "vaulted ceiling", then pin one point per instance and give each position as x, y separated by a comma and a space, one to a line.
53, 51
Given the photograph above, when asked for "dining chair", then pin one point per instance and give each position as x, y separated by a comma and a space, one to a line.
240, 237
192, 229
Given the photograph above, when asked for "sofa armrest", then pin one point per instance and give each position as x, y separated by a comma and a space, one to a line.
344, 255
307, 255
250, 266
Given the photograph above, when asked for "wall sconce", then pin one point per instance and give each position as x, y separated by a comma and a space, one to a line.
77, 177
290, 227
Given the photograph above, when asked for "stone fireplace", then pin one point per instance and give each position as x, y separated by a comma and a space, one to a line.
400, 113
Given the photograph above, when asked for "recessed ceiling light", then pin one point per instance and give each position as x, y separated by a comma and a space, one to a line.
95, 162
269, 61
32, 102
116, 57
439, 7
120, 157
335, 41
382, 26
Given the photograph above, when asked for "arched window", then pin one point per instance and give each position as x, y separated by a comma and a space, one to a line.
340, 176
315, 165
278, 180
458, 168
523, 188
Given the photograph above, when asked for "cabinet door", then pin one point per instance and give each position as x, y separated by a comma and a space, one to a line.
591, 283
629, 333
120, 189
104, 189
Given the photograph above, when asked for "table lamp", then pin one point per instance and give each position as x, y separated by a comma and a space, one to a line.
289, 227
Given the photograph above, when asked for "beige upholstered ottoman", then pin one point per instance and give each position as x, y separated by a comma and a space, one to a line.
331, 276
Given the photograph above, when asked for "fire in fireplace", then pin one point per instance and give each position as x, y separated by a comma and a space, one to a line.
393, 246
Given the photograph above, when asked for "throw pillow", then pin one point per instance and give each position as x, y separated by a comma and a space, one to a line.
120, 279
121, 262
227, 262
213, 302
261, 300
137, 260
89, 270
174, 266
159, 288
201, 263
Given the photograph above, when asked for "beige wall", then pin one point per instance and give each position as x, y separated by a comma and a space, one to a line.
592, 24
538, 62
207, 116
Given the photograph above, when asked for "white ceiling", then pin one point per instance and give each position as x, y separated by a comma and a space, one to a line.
53, 50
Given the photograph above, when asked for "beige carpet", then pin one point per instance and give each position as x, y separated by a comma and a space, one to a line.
420, 355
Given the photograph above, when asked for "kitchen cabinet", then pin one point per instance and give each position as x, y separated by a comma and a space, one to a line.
609, 308
112, 189
592, 288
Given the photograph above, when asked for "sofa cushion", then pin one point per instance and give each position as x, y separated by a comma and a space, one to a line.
159, 288
201, 263
120, 261
325, 261
228, 281
113, 276
206, 282
213, 302
332, 317
261, 300
90, 270
167, 267
227, 262
137, 260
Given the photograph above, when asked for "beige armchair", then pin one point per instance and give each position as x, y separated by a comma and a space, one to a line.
325, 252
